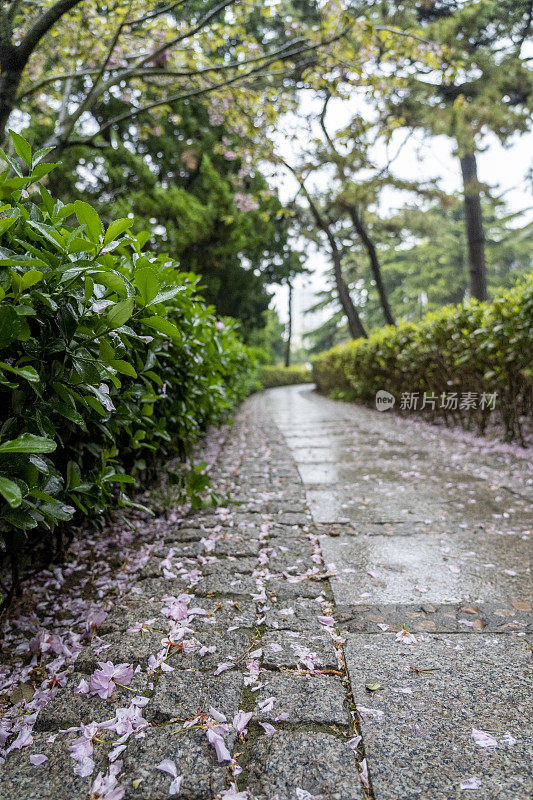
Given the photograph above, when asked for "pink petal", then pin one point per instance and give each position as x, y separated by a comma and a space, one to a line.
38, 759
483, 739
167, 765
268, 729
241, 720
174, 787
471, 783
216, 715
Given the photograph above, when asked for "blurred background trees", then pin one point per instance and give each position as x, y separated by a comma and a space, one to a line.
185, 117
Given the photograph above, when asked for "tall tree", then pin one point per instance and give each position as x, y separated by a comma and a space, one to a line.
204, 202
68, 57
477, 81
343, 164
355, 326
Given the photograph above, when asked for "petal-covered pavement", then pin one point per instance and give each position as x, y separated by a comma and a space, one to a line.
353, 624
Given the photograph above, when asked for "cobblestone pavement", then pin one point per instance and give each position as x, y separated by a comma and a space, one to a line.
353, 625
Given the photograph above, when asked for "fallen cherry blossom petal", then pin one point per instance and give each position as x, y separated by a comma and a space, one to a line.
363, 773
406, 637
241, 720
483, 739
268, 728
216, 715
222, 668
37, 759
169, 766
369, 713
266, 705
223, 754
232, 794
470, 783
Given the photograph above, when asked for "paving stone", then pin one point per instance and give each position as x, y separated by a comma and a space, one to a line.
420, 742
292, 518
226, 583
287, 590
131, 612
203, 776
433, 568
156, 588
52, 780
152, 568
185, 534
185, 549
481, 617
182, 694
293, 615
223, 612
303, 698
68, 709
289, 765
121, 647
226, 567
134, 648
286, 648
237, 546
292, 558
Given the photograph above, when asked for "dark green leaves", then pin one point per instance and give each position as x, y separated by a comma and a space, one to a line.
119, 314
10, 491
22, 147
87, 216
28, 443
96, 388
147, 284
116, 229
162, 325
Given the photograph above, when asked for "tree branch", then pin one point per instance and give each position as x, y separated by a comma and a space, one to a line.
135, 112
41, 27
159, 71
198, 27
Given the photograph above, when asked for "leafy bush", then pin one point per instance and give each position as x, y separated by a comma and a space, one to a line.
109, 359
284, 376
475, 347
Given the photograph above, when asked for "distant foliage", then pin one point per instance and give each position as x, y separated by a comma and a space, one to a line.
475, 347
109, 358
284, 376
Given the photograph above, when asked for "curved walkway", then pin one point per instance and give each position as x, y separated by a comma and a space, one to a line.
354, 626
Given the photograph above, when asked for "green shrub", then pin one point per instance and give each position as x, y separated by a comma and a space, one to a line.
284, 376
476, 347
109, 359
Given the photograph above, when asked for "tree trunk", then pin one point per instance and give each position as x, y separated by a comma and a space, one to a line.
355, 326
374, 264
289, 330
10, 77
474, 227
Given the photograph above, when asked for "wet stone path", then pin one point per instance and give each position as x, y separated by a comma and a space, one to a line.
354, 625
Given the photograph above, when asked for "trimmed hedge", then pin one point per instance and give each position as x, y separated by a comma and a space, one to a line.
284, 376
110, 360
474, 347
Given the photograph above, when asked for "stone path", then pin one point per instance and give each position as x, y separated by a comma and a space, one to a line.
370, 565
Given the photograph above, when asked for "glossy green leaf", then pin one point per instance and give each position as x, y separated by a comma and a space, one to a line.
88, 216
10, 491
28, 443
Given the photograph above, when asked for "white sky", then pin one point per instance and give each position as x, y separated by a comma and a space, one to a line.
504, 169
